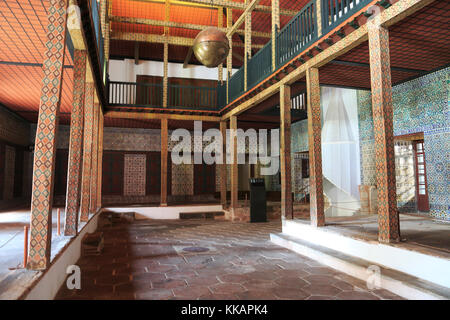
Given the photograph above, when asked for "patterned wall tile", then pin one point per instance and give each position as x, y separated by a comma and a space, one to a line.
420, 105
182, 179
134, 174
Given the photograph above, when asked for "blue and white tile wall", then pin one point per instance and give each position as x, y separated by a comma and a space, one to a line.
420, 105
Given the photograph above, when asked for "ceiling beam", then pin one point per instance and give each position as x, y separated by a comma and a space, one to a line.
148, 116
367, 65
241, 19
242, 6
222, 3
172, 24
156, 38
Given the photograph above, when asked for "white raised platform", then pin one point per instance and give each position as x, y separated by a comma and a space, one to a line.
48, 283
409, 273
169, 212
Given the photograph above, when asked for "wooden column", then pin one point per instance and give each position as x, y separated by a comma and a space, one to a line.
234, 164
285, 152
45, 144
315, 148
107, 31
166, 55
247, 46
220, 25
87, 151
275, 29
223, 166
94, 163
165, 77
164, 146
319, 17
380, 79
73, 193
100, 160
230, 53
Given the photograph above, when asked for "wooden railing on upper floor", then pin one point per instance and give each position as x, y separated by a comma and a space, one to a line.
151, 95
293, 39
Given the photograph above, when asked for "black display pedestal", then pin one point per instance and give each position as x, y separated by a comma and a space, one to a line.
258, 206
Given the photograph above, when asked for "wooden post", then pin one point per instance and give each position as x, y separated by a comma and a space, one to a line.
319, 17
94, 159
165, 76
247, 46
46, 132
285, 156
59, 222
100, 160
223, 166
87, 151
230, 53
164, 146
73, 193
25, 246
234, 164
315, 148
220, 25
275, 29
166, 56
380, 77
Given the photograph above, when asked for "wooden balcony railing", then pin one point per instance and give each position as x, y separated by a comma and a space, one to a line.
151, 95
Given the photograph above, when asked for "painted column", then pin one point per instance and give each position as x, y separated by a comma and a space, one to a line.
247, 46
220, 25
380, 79
105, 29
45, 144
287, 209
315, 148
166, 55
275, 29
94, 164
73, 193
164, 147
100, 160
319, 17
165, 76
87, 151
230, 53
223, 166
234, 164
107, 32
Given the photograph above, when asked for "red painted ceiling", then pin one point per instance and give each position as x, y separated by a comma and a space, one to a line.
418, 43
22, 40
261, 21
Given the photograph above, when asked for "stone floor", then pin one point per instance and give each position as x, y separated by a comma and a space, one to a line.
419, 233
197, 259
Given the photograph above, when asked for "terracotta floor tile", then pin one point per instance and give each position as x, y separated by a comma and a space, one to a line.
145, 260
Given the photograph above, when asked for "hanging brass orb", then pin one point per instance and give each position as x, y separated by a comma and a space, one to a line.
211, 47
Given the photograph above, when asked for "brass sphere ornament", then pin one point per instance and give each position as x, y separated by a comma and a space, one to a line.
211, 47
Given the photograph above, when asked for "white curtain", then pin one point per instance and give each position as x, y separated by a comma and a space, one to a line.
340, 139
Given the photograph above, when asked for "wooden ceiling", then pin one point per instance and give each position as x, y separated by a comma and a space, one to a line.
419, 43
184, 12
